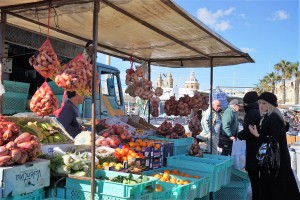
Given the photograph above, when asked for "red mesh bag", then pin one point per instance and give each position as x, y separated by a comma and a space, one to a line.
77, 76
44, 102
45, 61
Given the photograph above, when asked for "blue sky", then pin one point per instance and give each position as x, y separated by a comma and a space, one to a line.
266, 29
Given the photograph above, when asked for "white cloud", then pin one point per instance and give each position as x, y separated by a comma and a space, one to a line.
215, 19
248, 50
279, 15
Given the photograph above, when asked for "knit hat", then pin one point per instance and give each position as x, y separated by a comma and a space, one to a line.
269, 97
250, 97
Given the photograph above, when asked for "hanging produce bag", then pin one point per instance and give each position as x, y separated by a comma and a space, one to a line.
44, 102
154, 104
77, 76
45, 61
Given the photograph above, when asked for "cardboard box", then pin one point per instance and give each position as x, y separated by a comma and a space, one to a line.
290, 139
156, 162
20, 179
25, 120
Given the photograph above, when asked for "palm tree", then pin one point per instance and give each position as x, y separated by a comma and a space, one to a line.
294, 71
282, 67
272, 78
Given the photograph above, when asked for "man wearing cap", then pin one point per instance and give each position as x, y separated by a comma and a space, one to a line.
229, 127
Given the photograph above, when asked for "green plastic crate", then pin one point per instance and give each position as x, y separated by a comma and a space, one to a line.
111, 188
189, 163
236, 189
229, 163
84, 195
17, 87
169, 192
203, 187
14, 102
35, 195
55, 89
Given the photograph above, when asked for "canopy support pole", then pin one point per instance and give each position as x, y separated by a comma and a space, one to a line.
210, 101
95, 41
149, 78
2, 43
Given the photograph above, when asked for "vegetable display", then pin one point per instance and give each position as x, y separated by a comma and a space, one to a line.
195, 125
195, 150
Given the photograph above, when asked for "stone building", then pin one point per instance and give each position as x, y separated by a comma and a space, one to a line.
289, 91
192, 82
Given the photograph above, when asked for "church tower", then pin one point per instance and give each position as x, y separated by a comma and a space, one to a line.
159, 81
170, 80
192, 82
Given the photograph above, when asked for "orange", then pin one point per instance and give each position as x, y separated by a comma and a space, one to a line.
158, 176
131, 144
158, 188
186, 182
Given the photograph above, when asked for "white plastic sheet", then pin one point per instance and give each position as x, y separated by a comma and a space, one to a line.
2, 91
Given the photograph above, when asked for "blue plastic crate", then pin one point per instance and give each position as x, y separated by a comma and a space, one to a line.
16, 87
210, 166
14, 102
111, 188
35, 195
229, 163
203, 187
181, 145
236, 189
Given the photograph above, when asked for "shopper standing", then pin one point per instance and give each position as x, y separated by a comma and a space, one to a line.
230, 127
252, 117
282, 185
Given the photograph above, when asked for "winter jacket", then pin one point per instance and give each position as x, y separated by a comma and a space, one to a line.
205, 123
284, 186
252, 117
230, 122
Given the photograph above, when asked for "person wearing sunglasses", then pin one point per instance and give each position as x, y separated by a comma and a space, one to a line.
282, 184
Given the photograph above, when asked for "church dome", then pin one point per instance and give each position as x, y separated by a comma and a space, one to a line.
192, 78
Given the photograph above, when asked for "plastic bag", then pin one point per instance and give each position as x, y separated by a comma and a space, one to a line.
77, 76
45, 61
2, 90
239, 153
58, 111
44, 102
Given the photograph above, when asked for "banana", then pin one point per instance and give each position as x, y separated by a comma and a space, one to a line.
38, 131
50, 139
62, 137
57, 139
45, 141
46, 133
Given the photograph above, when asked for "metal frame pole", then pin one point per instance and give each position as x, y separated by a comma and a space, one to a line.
95, 45
149, 78
210, 99
2, 43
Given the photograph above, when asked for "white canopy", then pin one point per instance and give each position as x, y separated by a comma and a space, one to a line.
158, 31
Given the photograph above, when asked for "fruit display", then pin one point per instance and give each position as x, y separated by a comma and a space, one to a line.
166, 177
178, 129
129, 180
45, 61
158, 91
44, 102
174, 172
47, 133
195, 150
76, 76
195, 126
127, 154
170, 107
165, 128
154, 103
183, 108
185, 104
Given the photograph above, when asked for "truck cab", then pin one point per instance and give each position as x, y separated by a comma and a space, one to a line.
110, 94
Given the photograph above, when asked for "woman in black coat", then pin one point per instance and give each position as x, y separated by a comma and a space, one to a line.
252, 117
283, 185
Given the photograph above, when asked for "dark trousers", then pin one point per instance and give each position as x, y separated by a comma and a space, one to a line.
226, 152
254, 180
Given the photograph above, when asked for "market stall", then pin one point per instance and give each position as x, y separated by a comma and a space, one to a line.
137, 33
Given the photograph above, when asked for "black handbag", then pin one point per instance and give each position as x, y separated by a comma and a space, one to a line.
225, 142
